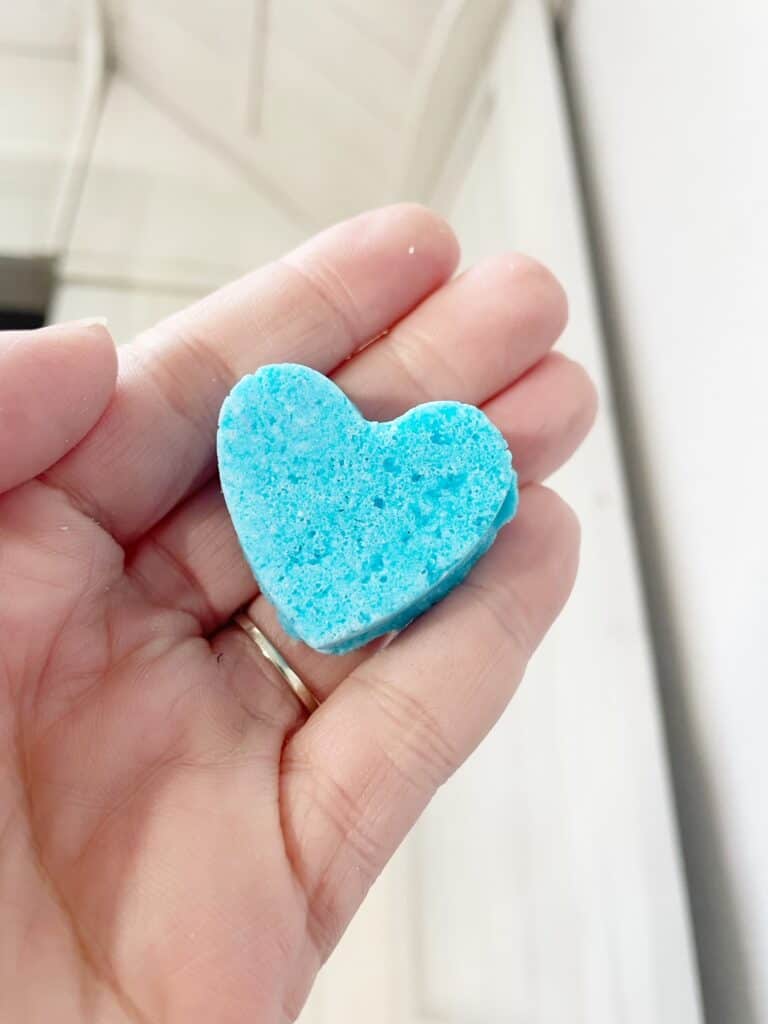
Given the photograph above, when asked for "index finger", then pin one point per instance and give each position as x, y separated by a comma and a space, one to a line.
155, 444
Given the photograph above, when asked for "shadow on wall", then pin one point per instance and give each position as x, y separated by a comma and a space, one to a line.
720, 944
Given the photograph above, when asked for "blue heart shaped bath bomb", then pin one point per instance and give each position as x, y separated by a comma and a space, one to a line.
352, 528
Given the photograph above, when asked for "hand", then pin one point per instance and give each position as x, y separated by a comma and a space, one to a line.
178, 842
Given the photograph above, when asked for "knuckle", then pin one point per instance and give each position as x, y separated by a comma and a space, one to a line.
427, 370
330, 292
323, 867
415, 743
406, 354
508, 613
340, 805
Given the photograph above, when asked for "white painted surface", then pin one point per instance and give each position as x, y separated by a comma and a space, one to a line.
37, 119
197, 55
160, 207
318, 101
39, 27
673, 112
543, 884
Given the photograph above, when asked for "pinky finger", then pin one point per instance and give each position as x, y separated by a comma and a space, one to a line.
54, 385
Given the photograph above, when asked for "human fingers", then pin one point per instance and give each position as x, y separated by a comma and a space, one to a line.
359, 772
315, 306
468, 341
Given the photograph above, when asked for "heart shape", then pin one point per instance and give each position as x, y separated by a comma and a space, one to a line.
352, 527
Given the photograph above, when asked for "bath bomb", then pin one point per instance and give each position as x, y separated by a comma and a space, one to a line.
352, 527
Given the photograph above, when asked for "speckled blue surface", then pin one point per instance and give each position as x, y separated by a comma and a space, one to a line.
352, 528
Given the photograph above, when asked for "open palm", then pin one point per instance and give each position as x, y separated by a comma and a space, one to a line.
178, 842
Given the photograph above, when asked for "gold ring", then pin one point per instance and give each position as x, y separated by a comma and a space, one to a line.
271, 653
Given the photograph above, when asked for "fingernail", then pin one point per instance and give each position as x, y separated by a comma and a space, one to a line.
88, 321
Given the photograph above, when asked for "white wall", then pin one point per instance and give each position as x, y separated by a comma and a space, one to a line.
673, 116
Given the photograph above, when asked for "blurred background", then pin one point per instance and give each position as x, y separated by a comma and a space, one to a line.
604, 856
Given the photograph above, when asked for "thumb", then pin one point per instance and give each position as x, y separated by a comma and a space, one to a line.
54, 385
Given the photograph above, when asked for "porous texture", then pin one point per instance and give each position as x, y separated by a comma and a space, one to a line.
351, 527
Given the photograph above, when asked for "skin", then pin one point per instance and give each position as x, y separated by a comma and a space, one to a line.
178, 841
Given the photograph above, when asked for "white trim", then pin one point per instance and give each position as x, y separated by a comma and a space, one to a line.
92, 61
